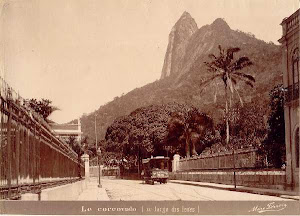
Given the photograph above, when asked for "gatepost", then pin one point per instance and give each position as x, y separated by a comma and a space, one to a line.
86, 160
175, 163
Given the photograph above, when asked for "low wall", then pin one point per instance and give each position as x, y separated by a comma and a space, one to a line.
253, 178
64, 192
130, 176
105, 171
94, 171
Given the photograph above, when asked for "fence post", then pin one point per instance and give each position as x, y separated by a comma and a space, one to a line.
38, 155
234, 174
27, 154
34, 156
1, 145
9, 153
17, 132
218, 159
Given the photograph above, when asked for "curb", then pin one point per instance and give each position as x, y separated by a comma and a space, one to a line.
104, 196
244, 190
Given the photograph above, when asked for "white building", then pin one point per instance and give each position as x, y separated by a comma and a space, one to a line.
65, 131
290, 59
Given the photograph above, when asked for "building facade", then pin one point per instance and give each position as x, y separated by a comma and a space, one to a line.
64, 131
290, 61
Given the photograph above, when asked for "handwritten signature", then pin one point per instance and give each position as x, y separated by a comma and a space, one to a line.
269, 208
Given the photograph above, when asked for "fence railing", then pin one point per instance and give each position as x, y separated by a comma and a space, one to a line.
31, 156
262, 177
244, 158
292, 22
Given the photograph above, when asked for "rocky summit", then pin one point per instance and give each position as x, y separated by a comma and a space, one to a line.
179, 36
186, 56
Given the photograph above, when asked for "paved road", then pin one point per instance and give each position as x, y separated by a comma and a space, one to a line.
119, 189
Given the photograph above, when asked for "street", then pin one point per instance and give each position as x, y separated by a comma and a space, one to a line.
120, 189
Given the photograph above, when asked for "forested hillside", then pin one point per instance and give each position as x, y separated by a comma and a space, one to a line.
184, 71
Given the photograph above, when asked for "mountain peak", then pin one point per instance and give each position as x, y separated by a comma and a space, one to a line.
220, 23
186, 20
179, 36
186, 15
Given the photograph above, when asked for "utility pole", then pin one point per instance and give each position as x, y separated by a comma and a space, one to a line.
99, 172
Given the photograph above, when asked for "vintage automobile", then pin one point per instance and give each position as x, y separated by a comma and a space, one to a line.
155, 169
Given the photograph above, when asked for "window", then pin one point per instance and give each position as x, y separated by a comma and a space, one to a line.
295, 62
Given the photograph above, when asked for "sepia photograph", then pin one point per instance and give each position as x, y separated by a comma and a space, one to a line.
149, 107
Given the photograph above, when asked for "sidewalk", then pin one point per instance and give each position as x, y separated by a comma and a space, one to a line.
271, 192
93, 192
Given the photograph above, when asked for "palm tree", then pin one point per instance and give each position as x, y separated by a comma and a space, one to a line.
43, 107
230, 72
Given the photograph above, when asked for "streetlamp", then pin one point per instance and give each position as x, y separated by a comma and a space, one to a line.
98, 152
99, 167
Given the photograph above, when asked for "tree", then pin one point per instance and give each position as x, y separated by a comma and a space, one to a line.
75, 145
42, 107
230, 71
192, 129
138, 134
248, 126
274, 144
79, 147
159, 130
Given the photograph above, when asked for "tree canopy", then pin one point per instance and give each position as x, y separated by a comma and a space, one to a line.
248, 125
274, 144
42, 107
158, 130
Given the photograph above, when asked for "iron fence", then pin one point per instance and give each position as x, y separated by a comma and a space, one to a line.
31, 156
242, 158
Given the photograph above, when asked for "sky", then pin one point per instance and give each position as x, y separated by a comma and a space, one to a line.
81, 54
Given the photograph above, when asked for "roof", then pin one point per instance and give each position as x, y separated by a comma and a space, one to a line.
68, 132
296, 13
290, 25
155, 158
65, 127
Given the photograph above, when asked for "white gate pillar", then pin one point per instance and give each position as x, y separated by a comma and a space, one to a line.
86, 159
175, 163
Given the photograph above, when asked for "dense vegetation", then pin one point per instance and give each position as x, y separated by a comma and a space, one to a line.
159, 130
274, 145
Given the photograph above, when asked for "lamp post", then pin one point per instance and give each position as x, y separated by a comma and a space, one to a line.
98, 152
99, 167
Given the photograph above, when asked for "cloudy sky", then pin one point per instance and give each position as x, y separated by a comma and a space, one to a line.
82, 53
